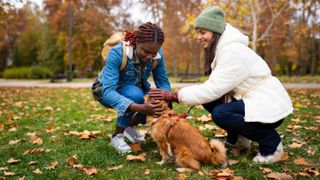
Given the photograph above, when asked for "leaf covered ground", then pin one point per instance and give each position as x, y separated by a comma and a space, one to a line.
62, 133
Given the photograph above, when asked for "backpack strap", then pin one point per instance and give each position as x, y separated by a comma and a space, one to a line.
124, 58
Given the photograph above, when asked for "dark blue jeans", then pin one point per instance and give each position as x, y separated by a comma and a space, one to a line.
134, 93
230, 117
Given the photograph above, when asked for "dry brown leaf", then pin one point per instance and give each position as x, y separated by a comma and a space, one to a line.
295, 145
204, 119
48, 108
293, 127
301, 161
53, 165
12, 160
141, 157
276, 175
232, 162
6, 173
32, 162
136, 147
1, 127
115, 167
221, 133
225, 173
72, 160
36, 150
304, 174
311, 128
4, 169
265, 170
14, 128
37, 171
15, 141
90, 171
284, 156
22, 178
181, 176
50, 128
146, 171
36, 140
312, 171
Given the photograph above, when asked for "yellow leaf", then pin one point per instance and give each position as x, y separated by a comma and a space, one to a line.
141, 157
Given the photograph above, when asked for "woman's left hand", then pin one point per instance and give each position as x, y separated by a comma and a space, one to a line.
165, 95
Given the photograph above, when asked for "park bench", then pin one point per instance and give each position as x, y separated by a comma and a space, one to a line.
57, 76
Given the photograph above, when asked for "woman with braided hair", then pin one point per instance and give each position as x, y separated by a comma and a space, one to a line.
125, 90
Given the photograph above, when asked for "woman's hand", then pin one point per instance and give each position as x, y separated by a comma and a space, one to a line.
165, 95
148, 108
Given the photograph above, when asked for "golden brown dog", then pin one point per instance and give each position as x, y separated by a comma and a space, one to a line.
182, 143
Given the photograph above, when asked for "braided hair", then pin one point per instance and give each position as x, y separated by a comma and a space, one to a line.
147, 32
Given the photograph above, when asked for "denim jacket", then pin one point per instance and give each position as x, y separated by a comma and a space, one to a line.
112, 79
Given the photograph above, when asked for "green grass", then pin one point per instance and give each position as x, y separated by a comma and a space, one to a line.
71, 109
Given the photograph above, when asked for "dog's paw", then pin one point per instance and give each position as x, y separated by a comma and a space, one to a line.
183, 170
161, 162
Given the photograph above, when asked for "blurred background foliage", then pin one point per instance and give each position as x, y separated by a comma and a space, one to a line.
34, 40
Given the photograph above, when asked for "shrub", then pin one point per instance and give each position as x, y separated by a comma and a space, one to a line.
33, 72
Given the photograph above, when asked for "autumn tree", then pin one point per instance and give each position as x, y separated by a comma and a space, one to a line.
92, 24
12, 23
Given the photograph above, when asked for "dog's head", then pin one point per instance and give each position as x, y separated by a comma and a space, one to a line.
167, 112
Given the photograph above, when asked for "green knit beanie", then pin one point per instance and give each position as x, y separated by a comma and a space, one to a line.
212, 19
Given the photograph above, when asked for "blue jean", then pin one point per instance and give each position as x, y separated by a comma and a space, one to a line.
230, 116
136, 94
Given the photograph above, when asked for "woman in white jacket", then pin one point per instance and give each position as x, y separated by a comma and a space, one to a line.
240, 93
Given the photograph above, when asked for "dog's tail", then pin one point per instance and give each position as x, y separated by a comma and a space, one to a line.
219, 156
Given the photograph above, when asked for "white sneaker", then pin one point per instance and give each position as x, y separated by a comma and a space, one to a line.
275, 157
119, 143
133, 135
242, 143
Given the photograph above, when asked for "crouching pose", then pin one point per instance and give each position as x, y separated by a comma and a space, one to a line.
240, 93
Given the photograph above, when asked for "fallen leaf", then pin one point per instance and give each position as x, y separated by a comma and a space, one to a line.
115, 167
4, 169
265, 170
1, 127
304, 174
221, 133
36, 150
6, 173
232, 162
312, 171
12, 160
36, 140
32, 162
204, 118
146, 171
301, 161
284, 156
181, 176
136, 147
48, 108
276, 175
225, 173
53, 165
37, 171
22, 178
295, 145
50, 128
141, 157
15, 141
90, 171
72, 160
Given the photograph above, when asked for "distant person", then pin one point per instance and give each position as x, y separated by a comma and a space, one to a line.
125, 90
240, 93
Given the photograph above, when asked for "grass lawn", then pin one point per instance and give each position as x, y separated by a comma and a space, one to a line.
41, 129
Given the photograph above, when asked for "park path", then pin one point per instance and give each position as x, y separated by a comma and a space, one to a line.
43, 83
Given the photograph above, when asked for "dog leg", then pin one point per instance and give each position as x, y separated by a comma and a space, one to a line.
184, 159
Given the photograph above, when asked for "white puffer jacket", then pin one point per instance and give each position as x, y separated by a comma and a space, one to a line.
239, 71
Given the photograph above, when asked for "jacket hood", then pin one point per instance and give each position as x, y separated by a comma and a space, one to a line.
232, 35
